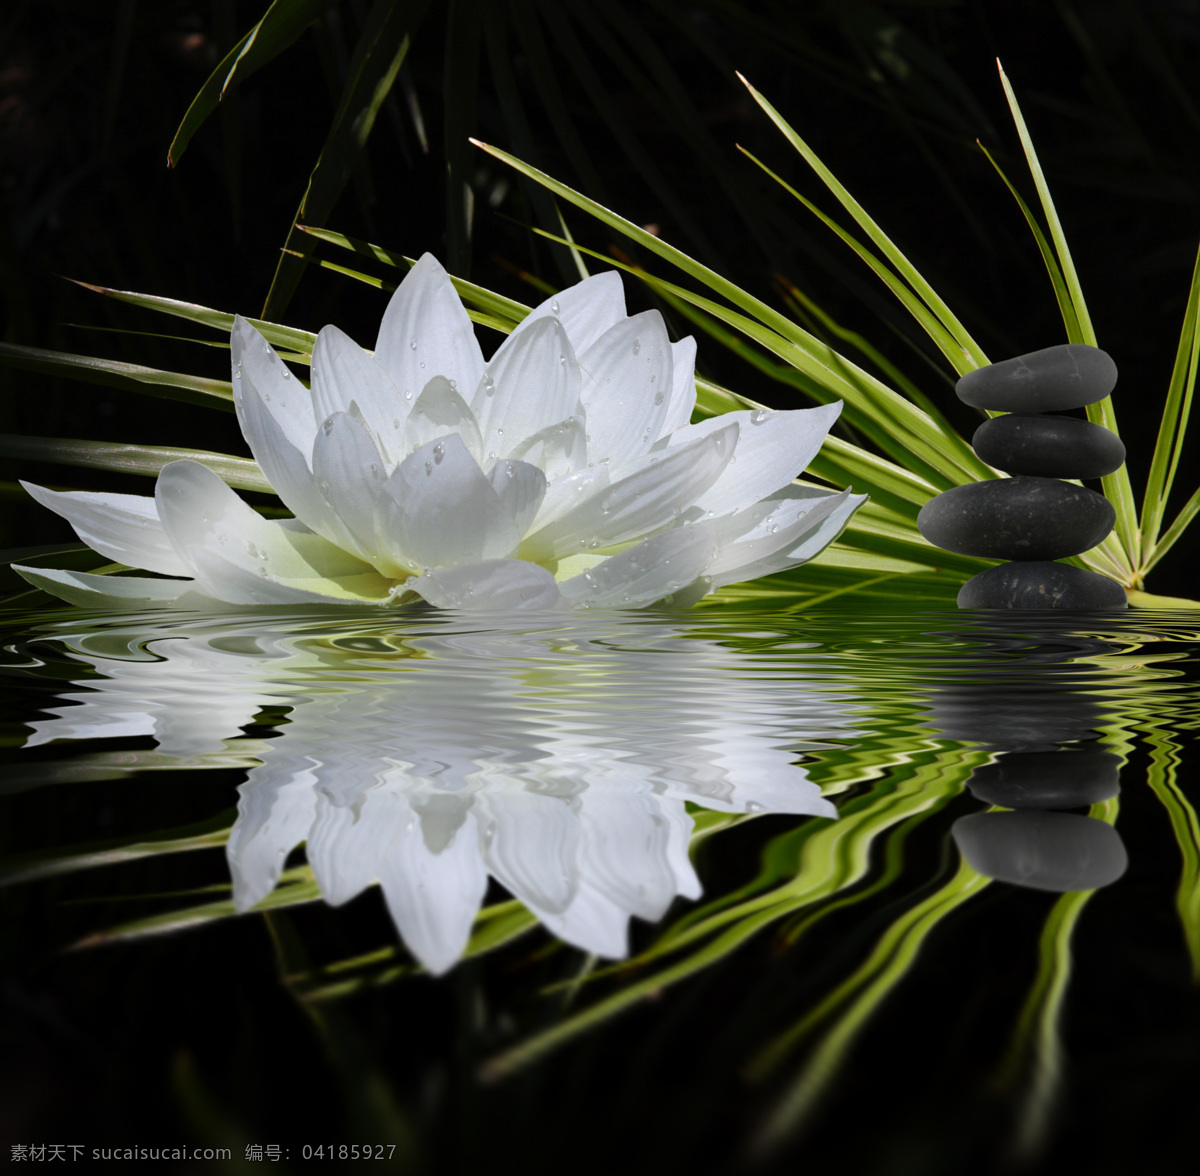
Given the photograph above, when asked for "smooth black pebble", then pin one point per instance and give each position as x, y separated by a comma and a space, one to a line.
1048, 446
1017, 518
1060, 852
1052, 380
1048, 779
1041, 585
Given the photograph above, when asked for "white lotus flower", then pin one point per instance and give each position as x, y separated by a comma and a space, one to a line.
562, 472
556, 757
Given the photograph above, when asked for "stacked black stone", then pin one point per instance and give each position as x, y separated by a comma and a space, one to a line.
1034, 518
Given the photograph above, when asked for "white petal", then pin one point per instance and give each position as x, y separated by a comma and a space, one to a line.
125, 527
627, 383
645, 572
560, 449
446, 511
434, 897
586, 310
533, 381
623, 851
521, 487
592, 922
257, 369
343, 373
275, 813
242, 558
287, 464
440, 410
653, 494
531, 845
811, 543
683, 386
426, 333
565, 493
773, 448
126, 592
350, 473
776, 524
500, 584
347, 843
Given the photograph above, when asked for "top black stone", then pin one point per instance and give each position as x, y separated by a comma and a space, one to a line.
1057, 378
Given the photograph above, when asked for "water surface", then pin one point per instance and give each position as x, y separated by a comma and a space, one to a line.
896, 891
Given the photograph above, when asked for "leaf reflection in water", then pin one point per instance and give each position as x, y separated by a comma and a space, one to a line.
556, 759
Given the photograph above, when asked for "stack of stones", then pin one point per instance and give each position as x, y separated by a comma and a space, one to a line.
1034, 517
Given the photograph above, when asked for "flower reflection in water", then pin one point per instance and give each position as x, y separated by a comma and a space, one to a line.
556, 759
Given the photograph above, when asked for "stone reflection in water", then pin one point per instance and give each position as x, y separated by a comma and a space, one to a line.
1022, 690
558, 762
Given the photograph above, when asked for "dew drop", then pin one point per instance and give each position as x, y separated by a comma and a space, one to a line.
412, 344
237, 375
222, 538
758, 416
637, 346
491, 455
422, 363
407, 396
489, 385
439, 451
395, 422
774, 528
267, 397
562, 359
554, 307
287, 372
375, 468
328, 426
454, 384
428, 468
510, 472
499, 432
659, 398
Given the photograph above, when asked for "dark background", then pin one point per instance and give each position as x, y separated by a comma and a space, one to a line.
890, 95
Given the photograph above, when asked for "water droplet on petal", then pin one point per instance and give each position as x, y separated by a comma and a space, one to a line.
375, 468
562, 359
428, 468
328, 426
659, 398
267, 397
454, 384
554, 308
439, 451
489, 385
774, 528
758, 416
237, 375
422, 363
510, 472
637, 346
395, 422
412, 344
407, 396
287, 372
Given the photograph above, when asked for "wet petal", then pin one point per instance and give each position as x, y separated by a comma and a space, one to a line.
645, 572
809, 535
500, 584
426, 333
446, 511
342, 374
127, 592
440, 410
627, 383
533, 381
240, 557
773, 448
521, 487
350, 473
125, 527
655, 492
258, 370
683, 386
586, 310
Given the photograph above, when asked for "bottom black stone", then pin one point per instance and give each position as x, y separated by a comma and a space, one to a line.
1041, 584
